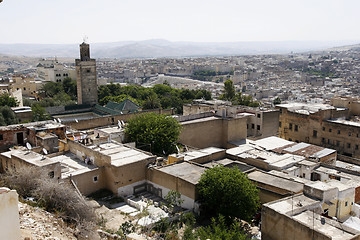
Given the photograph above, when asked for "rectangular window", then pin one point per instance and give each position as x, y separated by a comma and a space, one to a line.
296, 128
338, 131
258, 115
345, 204
247, 126
323, 128
337, 143
323, 140
1, 137
258, 127
349, 145
290, 126
349, 134
252, 126
329, 142
314, 133
356, 147
279, 124
330, 129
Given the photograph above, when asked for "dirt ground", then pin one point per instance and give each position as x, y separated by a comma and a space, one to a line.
36, 223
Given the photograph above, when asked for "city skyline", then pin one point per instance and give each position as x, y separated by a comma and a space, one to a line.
62, 22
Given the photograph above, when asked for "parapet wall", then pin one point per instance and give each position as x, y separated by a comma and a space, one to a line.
9, 214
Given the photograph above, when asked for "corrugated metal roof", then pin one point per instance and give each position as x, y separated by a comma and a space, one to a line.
296, 147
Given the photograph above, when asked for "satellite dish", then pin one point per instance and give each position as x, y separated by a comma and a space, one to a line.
119, 124
45, 151
164, 152
55, 120
28, 146
177, 148
121, 112
122, 122
76, 120
59, 120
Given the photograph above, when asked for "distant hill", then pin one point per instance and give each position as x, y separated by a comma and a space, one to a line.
163, 48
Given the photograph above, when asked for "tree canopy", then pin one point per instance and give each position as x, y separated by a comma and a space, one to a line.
58, 93
227, 192
7, 116
229, 91
158, 96
6, 100
219, 230
156, 133
237, 98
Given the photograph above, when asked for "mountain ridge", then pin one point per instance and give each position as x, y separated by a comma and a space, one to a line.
155, 48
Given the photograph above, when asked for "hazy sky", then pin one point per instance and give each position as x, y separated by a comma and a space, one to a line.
67, 21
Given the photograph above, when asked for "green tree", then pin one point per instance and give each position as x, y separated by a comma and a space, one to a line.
229, 91
50, 89
158, 131
6, 100
70, 88
219, 230
277, 100
152, 102
39, 113
7, 116
246, 100
227, 192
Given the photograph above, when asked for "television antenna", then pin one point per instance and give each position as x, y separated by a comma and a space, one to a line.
122, 122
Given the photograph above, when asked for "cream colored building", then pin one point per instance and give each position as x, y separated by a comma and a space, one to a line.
53, 71
28, 86
321, 124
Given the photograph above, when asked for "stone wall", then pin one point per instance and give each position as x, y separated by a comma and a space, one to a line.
111, 120
213, 132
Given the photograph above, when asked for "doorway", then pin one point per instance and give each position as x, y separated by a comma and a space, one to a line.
20, 138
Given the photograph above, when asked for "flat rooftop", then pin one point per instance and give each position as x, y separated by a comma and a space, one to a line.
30, 157
281, 161
200, 120
331, 228
72, 165
276, 181
186, 171
243, 167
293, 204
272, 142
76, 116
345, 122
121, 154
110, 129
195, 154
305, 108
280, 145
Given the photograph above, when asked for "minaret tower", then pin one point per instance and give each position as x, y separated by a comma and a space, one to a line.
86, 77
